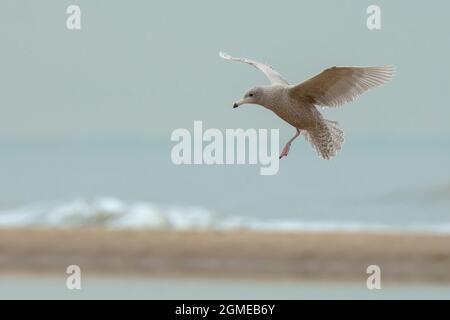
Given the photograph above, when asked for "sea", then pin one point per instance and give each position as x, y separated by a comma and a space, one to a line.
373, 185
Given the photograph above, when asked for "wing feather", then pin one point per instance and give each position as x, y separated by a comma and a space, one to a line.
339, 85
274, 76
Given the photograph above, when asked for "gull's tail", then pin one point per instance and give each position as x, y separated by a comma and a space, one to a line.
327, 138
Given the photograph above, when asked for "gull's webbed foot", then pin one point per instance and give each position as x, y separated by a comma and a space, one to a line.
285, 150
287, 147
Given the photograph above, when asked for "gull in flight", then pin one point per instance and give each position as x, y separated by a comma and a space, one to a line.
297, 104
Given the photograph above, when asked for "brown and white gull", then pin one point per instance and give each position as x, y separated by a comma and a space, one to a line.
297, 104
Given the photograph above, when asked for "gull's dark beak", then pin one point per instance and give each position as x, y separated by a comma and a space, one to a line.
238, 103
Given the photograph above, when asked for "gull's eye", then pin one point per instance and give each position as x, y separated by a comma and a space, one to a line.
250, 95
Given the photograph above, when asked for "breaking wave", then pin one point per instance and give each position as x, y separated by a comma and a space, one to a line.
113, 213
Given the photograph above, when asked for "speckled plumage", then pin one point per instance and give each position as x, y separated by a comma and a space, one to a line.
296, 104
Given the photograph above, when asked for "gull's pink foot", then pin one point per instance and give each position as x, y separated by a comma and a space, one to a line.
285, 150
287, 147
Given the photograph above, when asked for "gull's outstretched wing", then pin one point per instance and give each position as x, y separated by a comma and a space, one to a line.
338, 85
273, 75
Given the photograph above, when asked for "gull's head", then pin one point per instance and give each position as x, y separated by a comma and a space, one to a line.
252, 96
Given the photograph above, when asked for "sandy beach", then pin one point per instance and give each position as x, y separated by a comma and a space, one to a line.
227, 254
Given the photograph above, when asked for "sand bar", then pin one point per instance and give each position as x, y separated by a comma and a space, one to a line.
227, 254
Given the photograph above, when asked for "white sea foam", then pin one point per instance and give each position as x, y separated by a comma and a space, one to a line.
113, 213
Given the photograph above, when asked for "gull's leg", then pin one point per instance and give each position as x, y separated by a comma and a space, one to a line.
287, 147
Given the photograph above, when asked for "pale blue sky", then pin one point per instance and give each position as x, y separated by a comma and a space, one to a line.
143, 68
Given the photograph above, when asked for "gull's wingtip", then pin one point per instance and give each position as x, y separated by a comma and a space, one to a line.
390, 70
393, 68
224, 55
389, 67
